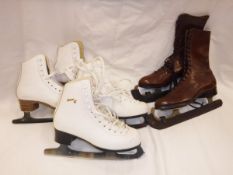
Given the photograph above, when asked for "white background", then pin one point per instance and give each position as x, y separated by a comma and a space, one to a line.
134, 37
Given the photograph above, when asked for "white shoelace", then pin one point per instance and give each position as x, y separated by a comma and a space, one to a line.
109, 117
100, 82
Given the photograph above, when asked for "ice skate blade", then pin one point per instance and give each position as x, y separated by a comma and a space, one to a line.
165, 123
148, 98
135, 125
27, 119
64, 150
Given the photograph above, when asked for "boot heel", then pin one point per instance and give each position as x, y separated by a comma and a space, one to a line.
63, 138
28, 106
209, 93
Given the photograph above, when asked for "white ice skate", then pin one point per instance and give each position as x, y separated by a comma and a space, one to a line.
120, 101
77, 115
36, 85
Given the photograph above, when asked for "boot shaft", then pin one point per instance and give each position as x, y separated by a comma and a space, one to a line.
196, 62
183, 23
76, 99
67, 56
197, 49
34, 83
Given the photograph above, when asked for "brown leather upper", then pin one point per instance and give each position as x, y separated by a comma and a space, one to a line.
173, 64
198, 79
163, 76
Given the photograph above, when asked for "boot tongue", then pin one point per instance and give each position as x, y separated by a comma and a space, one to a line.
67, 57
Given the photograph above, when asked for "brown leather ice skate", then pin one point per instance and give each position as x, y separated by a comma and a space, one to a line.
171, 71
197, 82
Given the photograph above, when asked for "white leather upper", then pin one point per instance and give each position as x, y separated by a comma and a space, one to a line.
76, 115
35, 83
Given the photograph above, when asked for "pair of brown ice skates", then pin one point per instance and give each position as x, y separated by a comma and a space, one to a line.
183, 88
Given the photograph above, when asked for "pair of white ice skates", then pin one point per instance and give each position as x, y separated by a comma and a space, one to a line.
88, 102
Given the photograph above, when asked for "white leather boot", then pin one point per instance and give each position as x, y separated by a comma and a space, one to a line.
36, 86
118, 100
77, 115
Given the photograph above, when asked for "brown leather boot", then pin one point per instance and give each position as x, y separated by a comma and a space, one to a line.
173, 64
198, 80
172, 68
197, 84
